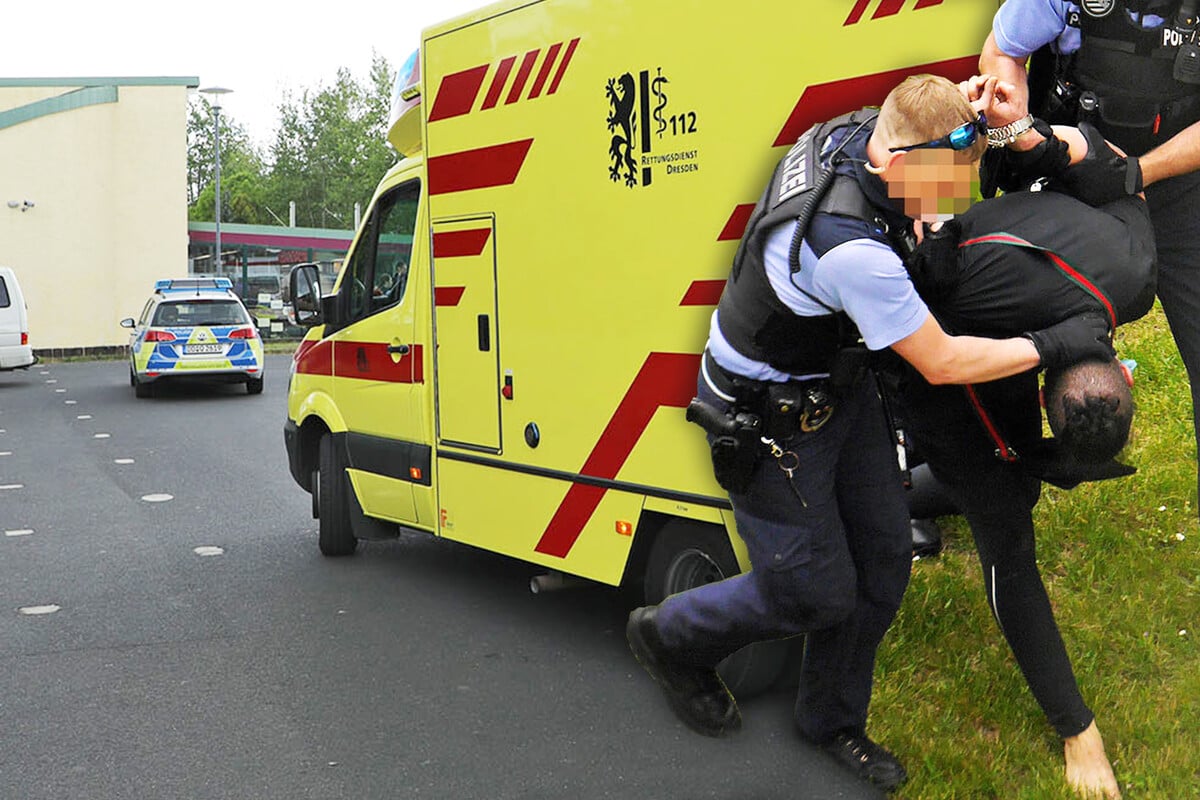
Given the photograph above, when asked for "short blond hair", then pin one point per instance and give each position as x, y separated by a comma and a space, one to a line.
923, 108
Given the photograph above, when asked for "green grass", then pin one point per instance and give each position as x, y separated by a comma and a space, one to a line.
1126, 590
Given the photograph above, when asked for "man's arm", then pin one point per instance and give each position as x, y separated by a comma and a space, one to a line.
1178, 155
942, 358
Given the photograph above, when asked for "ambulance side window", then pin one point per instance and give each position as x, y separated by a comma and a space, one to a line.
378, 270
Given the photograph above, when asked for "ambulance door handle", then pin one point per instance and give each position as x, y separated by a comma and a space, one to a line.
485, 335
398, 349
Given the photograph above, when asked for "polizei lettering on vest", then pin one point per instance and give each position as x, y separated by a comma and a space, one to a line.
795, 169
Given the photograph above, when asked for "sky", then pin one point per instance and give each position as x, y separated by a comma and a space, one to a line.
258, 49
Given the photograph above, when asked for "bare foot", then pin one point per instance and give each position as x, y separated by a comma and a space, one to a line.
1088, 770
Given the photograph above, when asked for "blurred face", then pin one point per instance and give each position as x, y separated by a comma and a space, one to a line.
934, 184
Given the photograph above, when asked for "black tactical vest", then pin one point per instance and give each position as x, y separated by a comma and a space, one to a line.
1130, 70
751, 316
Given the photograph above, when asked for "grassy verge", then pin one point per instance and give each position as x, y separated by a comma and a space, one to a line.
270, 347
1121, 562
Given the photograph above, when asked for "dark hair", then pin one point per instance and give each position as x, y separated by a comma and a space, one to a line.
1090, 408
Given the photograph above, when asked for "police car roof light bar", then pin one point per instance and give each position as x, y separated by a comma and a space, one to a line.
188, 284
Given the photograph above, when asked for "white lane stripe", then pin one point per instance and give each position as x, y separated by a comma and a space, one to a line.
122, 460
84, 416
19, 532
33, 611
52, 380
101, 435
158, 498
208, 550
12, 486
71, 402
61, 391
5, 452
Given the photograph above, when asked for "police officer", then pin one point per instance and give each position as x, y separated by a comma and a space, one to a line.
798, 433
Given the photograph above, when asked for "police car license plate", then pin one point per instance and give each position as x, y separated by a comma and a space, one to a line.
194, 349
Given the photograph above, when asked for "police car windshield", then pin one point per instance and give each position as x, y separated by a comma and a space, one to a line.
184, 313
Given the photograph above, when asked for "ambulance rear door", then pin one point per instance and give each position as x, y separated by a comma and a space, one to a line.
467, 333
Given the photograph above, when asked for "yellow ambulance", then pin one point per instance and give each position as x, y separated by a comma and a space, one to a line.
508, 351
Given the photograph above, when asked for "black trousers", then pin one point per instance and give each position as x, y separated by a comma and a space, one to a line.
997, 499
1175, 212
830, 551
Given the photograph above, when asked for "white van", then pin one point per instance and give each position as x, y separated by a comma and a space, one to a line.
15, 351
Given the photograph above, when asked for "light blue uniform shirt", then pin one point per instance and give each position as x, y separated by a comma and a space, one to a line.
862, 277
1022, 26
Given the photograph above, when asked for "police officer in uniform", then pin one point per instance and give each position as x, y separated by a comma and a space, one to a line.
798, 433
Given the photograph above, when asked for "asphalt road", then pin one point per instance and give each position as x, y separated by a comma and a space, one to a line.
416, 668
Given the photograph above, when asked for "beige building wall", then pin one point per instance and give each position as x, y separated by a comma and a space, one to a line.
108, 184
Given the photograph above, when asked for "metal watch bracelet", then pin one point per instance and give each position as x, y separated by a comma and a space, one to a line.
1007, 134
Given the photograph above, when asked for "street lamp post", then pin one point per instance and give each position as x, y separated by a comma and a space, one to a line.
216, 92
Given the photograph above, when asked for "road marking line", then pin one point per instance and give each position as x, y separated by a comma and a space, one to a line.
20, 532
158, 498
12, 486
33, 611
84, 416
101, 435
122, 460
208, 550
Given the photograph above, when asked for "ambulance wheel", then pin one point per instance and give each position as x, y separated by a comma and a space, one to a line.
254, 385
142, 389
335, 537
686, 555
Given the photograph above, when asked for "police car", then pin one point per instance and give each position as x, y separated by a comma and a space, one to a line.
194, 328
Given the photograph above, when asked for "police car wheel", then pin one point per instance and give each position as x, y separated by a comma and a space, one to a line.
685, 555
254, 385
334, 535
142, 389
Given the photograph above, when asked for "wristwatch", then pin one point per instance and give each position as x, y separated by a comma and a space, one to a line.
1007, 134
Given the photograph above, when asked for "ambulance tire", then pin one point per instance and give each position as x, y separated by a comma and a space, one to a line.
254, 385
685, 555
334, 534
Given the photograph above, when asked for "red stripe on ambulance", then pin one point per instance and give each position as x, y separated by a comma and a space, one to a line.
457, 93
497, 87
703, 293
453, 244
824, 101
736, 226
371, 361
314, 357
484, 167
665, 379
887, 8
448, 296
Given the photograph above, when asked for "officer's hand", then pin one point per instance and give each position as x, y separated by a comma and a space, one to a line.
1078, 338
1105, 174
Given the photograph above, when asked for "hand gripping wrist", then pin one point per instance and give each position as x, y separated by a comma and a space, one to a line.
1079, 338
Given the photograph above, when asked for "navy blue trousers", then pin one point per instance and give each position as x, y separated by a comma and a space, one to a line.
830, 552
1175, 212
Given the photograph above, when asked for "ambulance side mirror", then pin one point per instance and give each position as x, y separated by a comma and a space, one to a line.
305, 285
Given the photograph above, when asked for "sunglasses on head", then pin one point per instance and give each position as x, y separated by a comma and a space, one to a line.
960, 138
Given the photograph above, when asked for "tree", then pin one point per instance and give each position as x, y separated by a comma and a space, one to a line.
330, 149
241, 169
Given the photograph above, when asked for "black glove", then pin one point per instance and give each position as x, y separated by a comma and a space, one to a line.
1103, 175
1078, 338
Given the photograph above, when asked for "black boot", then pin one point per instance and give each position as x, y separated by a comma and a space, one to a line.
867, 760
697, 695
926, 538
